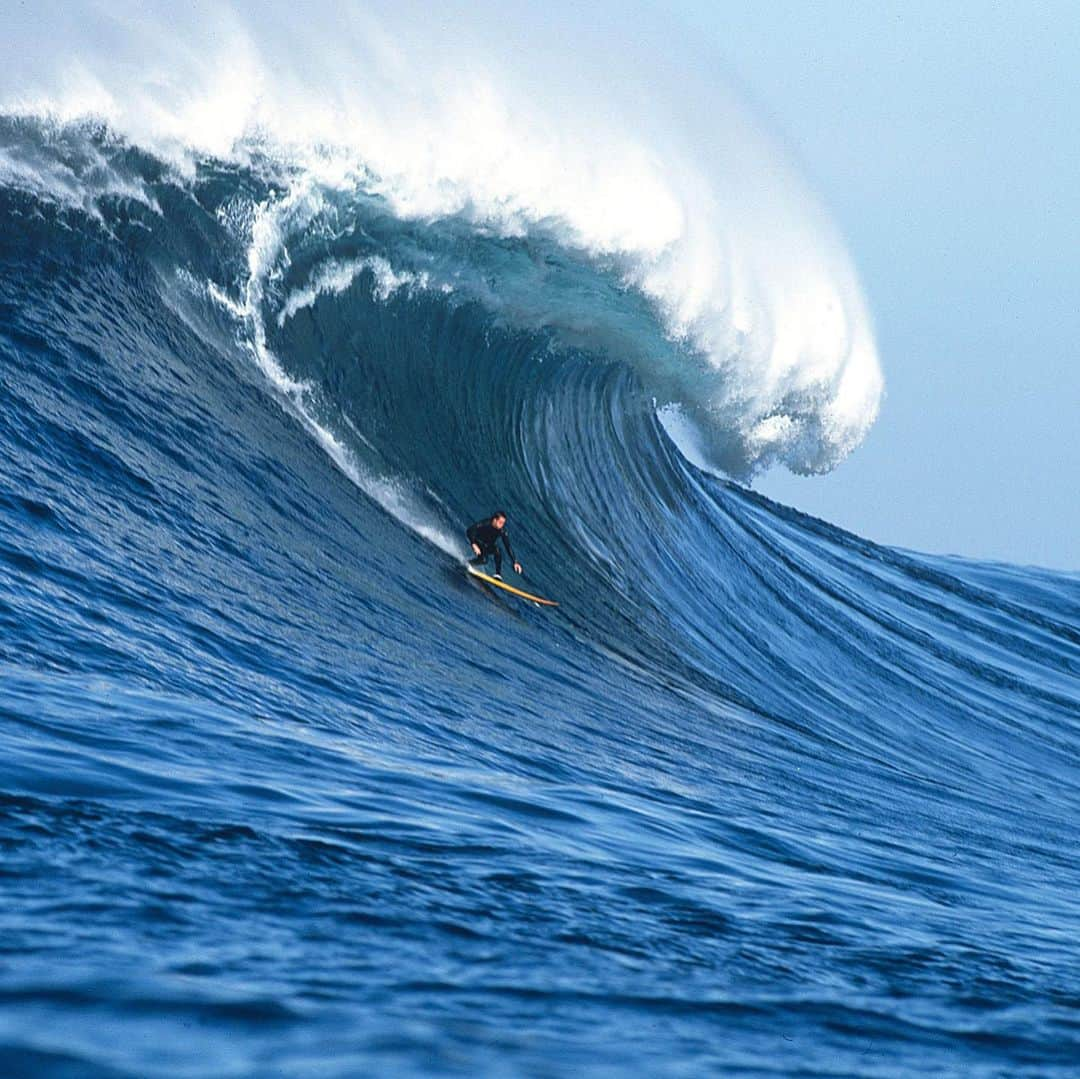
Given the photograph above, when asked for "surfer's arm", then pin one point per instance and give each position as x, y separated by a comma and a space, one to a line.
470, 534
510, 551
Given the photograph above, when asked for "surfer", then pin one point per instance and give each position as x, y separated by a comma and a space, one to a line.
484, 537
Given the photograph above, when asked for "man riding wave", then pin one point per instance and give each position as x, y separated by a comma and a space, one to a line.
484, 538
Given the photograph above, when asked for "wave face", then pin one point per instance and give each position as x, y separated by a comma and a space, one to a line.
284, 792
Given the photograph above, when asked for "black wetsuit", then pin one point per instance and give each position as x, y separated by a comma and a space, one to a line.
486, 536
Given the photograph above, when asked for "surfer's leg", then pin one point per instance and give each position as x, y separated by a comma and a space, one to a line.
498, 562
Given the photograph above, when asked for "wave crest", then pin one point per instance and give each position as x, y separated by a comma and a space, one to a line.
629, 157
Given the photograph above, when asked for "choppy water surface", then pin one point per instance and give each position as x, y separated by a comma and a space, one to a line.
283, 793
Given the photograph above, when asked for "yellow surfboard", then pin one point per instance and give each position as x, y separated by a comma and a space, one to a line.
495, 583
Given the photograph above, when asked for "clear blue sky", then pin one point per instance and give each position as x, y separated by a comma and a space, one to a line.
945, 140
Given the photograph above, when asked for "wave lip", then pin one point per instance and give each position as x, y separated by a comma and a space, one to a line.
629, 153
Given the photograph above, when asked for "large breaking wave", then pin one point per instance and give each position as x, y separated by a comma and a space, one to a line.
281, 791
614, 155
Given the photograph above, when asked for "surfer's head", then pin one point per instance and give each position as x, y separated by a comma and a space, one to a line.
498, 518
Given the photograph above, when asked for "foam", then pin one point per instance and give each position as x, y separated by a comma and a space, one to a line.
337, 275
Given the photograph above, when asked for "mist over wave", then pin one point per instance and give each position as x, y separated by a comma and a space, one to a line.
282, 791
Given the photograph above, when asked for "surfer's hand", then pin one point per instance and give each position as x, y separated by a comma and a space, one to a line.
517, 567
476, 548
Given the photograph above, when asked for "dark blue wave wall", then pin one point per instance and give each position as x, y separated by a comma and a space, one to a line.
282, 793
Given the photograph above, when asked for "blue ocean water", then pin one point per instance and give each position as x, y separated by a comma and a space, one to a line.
282, 792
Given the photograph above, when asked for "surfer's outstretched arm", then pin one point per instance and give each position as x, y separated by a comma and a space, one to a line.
510, 551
